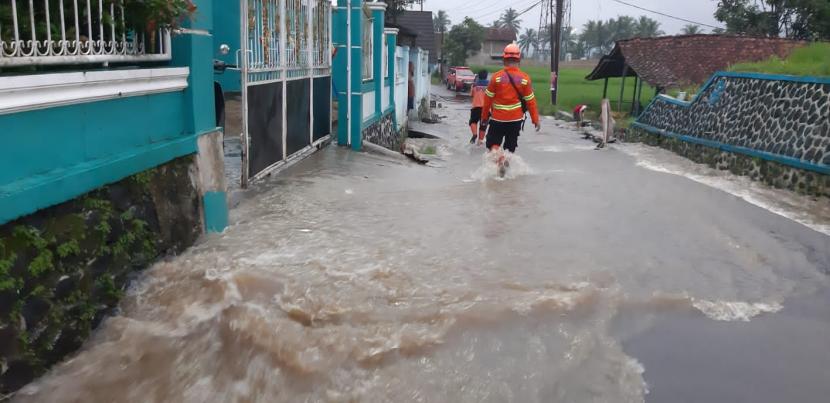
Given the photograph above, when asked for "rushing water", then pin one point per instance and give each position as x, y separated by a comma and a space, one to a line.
354, 277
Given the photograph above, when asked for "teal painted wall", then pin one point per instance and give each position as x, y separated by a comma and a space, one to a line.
52, 155
41, 141
216, 211
226, 29
390, 80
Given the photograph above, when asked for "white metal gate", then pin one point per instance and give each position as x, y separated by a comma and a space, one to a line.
286, 81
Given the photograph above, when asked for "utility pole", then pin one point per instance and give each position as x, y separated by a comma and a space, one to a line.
556, 42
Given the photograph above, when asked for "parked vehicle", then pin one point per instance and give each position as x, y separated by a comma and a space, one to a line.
460, 78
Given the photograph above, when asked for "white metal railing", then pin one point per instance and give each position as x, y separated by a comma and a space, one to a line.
54, 32
287, 38
321, 38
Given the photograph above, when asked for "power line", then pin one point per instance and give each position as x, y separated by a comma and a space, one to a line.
665, 15
519, 14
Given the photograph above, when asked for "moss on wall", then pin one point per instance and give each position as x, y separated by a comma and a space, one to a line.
64, 268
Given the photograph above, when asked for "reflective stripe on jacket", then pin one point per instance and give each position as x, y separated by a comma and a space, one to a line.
502, 102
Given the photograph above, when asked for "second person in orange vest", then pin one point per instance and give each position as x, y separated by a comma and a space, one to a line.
477, 92
509, 96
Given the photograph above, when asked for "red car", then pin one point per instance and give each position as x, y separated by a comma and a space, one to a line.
460, 78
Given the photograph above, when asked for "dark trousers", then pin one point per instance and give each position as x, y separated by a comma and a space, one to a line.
475, 115
505, 134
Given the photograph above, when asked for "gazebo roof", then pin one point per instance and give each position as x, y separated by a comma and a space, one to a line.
676, 61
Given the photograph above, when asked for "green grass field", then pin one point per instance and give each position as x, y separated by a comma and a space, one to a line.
813, 60
574, 89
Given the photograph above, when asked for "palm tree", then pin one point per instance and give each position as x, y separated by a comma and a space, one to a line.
510, 19
623, 27
647, 28
597, 36
441, 21
691, 29
568, 42
529, 40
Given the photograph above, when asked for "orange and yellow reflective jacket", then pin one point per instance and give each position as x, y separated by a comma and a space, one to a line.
502, 101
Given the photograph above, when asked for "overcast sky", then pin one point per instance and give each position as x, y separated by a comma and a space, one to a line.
486, 11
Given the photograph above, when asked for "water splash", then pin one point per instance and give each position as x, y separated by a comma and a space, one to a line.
489, 168
729, 311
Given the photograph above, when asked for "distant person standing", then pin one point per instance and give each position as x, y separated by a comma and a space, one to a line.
410, 100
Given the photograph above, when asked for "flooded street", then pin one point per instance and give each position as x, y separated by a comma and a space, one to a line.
619, 275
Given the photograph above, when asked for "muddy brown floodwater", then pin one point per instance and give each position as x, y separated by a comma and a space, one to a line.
585, 276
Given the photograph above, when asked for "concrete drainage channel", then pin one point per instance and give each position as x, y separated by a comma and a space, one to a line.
422, 147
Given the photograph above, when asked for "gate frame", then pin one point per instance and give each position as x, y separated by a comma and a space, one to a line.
244, 60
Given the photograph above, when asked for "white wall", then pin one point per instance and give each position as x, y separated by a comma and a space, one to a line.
368, 104
384, 97
401, 66
420, 59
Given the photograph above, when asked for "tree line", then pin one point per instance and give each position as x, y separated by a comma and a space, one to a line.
796, 19
597, 37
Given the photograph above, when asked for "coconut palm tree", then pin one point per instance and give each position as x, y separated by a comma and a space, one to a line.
623, 27
510, 19
691, 29
529, 40
441, 21
647, 28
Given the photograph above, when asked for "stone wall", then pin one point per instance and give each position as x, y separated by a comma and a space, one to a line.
64, 268
782, 120
384, 133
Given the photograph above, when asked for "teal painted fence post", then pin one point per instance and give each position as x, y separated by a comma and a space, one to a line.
194, 48
356, 118
392, 42
226, 30
378, 11
339, 70
347, 18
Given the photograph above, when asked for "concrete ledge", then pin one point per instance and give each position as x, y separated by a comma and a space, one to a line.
39, 91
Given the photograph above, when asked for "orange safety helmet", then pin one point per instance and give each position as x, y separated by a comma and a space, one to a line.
512, 51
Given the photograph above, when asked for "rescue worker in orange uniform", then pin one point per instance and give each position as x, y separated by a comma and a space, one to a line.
508, 97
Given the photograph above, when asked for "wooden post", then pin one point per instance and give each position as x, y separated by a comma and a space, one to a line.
639, 97
605, 89
622, 87
634, 95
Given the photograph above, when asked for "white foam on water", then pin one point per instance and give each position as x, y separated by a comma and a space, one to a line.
790, 205
564, 148
729, 311
489, 168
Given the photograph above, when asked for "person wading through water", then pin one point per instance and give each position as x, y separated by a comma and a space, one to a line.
509, 96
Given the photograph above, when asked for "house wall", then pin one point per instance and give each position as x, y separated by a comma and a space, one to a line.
773, 128
101, 173
484, 57
226, 27
401, 86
